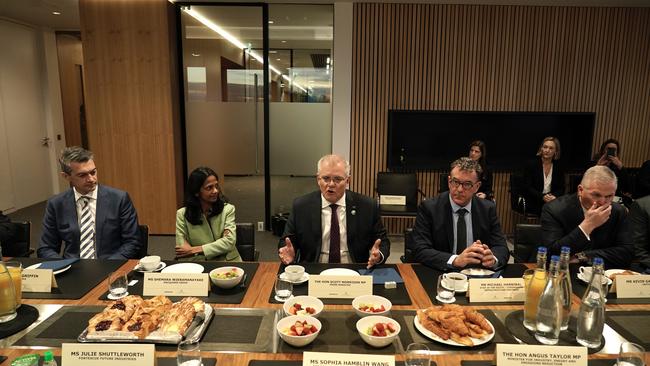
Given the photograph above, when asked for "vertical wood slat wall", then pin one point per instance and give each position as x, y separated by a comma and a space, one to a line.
497, 58
131, 103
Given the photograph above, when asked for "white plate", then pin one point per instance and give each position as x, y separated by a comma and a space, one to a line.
161, 265
477, 272
184, 268
35, 266
433, 336
303, 279
339, 272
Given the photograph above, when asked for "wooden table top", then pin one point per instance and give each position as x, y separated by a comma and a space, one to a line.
257, 296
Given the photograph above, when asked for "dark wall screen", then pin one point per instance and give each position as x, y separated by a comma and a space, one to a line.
433, 139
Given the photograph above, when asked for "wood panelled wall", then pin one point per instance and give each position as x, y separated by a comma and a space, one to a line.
131, 103
497, 58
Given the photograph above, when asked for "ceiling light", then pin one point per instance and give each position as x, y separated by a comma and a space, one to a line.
272, 51
270, 22
196, 54
283, 41
56, 13
278, 59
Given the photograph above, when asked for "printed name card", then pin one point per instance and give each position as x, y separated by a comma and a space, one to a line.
529, 355
38, 280
339, 287
632, 286
345, 359
496, 290
176, 284
386, 199
79, 354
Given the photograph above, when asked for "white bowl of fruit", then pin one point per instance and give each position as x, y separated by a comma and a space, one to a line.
298, 330
226, 277
366, 305
378, 331
303, 305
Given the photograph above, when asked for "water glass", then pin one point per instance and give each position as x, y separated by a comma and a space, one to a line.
118, 285
417, 354
7, 295
189, 353
283, 289
446, 289
630, 354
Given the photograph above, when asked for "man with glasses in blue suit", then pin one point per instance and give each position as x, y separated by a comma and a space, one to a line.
456, 229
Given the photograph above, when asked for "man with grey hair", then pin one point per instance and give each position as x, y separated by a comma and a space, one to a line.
456, 229
589, 222
89, 220
334, 225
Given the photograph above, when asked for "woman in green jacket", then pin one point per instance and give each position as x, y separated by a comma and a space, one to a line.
205, 227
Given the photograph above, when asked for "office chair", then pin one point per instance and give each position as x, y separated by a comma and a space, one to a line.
527, 238
20, 247
399, 184
144, 239
246, 242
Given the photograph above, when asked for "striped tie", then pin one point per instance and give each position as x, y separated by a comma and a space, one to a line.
87, 247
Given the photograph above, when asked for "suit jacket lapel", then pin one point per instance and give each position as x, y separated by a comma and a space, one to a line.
449, 223
316, 228
350, 219
475, 219
576, 211
70, 205
100, 216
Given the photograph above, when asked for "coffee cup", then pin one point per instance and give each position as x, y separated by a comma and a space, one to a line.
150, 262
294, 272
459, 280
586, 273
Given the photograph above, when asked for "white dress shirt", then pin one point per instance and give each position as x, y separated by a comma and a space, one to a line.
326, 221
548, 179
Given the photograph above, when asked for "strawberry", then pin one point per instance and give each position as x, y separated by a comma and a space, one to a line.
310, 310
391, 327
379, 327
297, 306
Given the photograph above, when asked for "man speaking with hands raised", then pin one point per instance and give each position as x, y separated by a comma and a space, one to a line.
456, 229
334, 225
589, 222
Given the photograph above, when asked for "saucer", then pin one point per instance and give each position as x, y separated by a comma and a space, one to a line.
446, 301
111, 297
138, 268
303, 279
280, 300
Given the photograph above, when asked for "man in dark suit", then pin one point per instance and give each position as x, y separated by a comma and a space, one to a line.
456, 229
334, 225
90, 220
640, 228
589, 222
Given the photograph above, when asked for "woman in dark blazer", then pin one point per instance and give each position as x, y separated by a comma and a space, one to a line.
478, 152
544, 177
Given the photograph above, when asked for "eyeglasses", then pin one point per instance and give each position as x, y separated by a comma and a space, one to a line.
327, 179
466, 185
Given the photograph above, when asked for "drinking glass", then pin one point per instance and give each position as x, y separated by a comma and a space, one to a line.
118, 285
417, 354
7, 295
630, 354
189, 353
283, 289
446, 289
16, 272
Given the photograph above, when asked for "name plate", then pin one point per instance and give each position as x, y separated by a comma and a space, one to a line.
176, 284
496, 290
37, 280
339, 287
345, 359
386, 199
632, 286
79, 354
529, 355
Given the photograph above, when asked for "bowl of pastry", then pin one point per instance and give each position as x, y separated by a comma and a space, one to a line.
298, 330
226, 277
378, 331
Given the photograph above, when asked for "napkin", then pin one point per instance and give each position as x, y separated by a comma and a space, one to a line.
57, 265
382, 275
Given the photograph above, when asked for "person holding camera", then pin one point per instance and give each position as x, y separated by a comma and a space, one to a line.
609, 155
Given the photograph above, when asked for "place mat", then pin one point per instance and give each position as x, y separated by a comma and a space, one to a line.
339, 334
216, 295
397, 296
428, 278
25, 316
74, 283
160, 361
240, 330
410, 334
515, 324
591, 362
579, 287
297, 363
2, 358
65, 325
634, 326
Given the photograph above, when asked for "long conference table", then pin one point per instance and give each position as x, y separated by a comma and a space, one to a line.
254, 301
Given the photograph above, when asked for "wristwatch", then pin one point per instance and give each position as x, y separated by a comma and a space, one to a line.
582, 257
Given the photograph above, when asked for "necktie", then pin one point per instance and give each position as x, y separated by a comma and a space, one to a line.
461, 231
335, 237
87, 246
